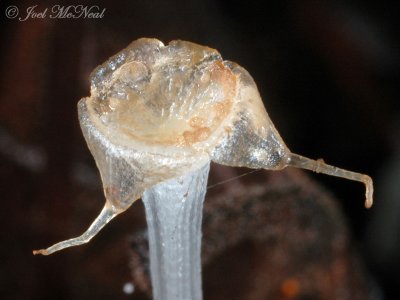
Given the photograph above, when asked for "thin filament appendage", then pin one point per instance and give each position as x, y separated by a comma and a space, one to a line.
319, 166
105, 216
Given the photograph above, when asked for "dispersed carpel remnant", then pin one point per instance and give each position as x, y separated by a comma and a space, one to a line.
168, 110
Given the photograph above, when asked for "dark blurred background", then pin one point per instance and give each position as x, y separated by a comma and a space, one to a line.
328, 72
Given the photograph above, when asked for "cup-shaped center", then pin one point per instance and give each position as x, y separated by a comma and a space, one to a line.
178, 98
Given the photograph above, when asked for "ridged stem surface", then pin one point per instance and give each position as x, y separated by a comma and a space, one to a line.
174, 216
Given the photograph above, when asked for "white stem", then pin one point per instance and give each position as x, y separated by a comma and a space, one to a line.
174, 215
